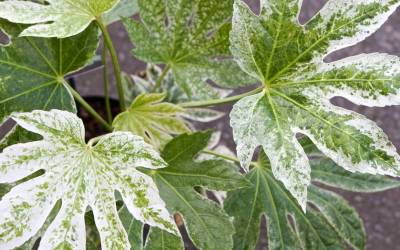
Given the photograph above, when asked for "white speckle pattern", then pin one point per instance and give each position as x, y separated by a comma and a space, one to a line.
80, 176
287, 58
253, 126
60, 18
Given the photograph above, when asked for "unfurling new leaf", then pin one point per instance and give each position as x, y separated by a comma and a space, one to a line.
80, 175
288, 59
152, 119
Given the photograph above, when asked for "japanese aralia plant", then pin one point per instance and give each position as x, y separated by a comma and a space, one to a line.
153, 174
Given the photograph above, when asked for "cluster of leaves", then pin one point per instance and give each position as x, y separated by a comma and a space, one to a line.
152, 169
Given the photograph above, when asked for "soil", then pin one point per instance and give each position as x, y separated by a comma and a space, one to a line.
93, 128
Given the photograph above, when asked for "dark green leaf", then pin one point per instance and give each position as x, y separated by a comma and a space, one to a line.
32, 69
159, 239
133, 227
208, 225
329, 224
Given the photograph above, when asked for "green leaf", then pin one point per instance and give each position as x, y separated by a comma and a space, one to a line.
159, 239
80, 175
125, 8
288, 59
208, 225
152, 119
93, 241
17, 135
330, 223
133, 227
188, 36
32, 71
4, 189
58, 18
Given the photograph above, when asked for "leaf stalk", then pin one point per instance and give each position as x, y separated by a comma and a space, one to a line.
215, 102
88, 108
217, 154
161, 78
106, 84
115, 61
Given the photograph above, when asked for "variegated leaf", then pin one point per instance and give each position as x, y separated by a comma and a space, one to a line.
188, 36
174, 94
125, 8
207, 224
80, 175
152, 119
32, 72
330, 222
58, 18
287, 58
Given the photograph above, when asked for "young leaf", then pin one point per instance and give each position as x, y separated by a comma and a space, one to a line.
288, 59
188, 36
152, 119
80, 175
174, 94
209, 227
329, 224
32, 71
58, 18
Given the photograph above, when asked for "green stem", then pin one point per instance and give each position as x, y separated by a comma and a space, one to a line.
226, 157
94, 140
106, 85
208, 103
87, 107
115, 61
161, 78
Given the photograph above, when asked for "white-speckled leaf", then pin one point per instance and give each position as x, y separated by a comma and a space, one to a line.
58, 18
330, 222
192, 39
287, 58
81, 176
256, 121
125, 8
